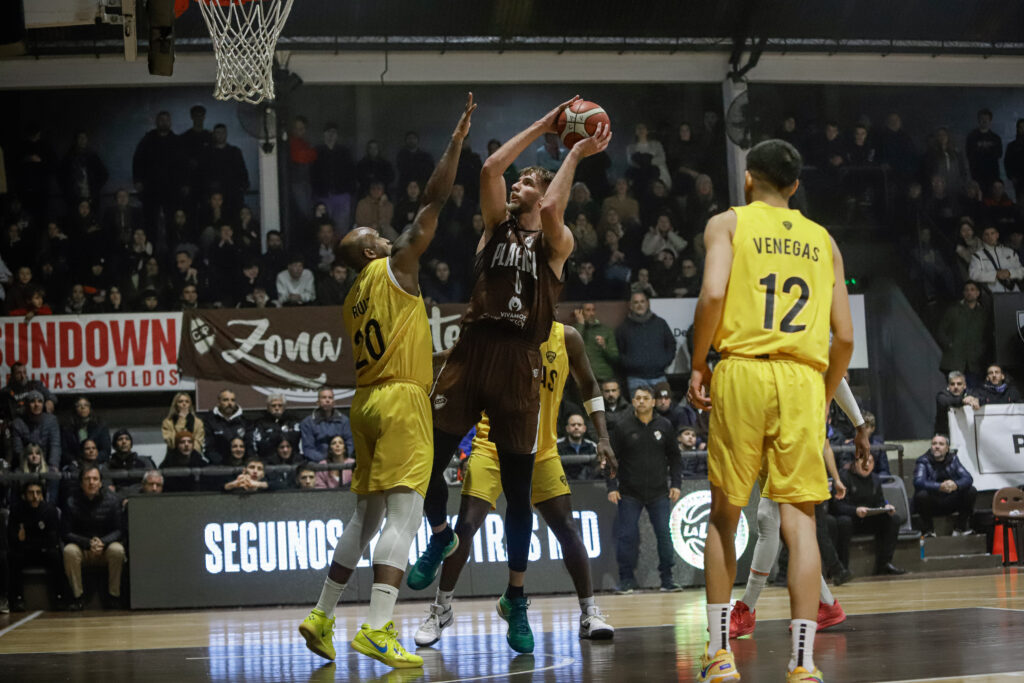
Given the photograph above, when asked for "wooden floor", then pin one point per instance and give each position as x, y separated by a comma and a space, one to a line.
948, 628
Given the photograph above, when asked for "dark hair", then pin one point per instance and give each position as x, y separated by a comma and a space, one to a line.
986, 111
330, 125
88, 468
612, 379
646, 388
197, 109
27, 484
296, 257
303, 119
220, 125
306, 467
775, 162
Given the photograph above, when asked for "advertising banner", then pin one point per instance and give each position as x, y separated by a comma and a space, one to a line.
990, 443
96, 353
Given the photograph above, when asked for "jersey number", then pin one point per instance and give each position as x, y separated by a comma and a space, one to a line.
549, 378
786, 325
374, 342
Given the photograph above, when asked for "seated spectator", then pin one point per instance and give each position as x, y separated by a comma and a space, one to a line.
610, 260
91, 530
646, 344
322, 425
963, 335
642, 284
322, 254
864, 493
115, 302
582, 284
274, 423
18, 388
238, 453
575, 442
252, 478
258, 298
662, 235
626, 207
251, 277
994, 265
34, 462
997, 389
295, 286
679, 414
224, 423
583, 231
943, 486
953, 396
701, 205
284, 454
33, 540
182, 418
337, 454
599, 342
183, 455
305, 477
275, 258
84, 425
39, 427
332, 289
694, 466
440, 287
665, 273
967, 244
124, 459
36, 306
152, 482
689, 281
248, 231
1000, 210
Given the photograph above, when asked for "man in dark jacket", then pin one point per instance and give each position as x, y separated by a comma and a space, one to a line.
92, 535
953, 396
1013, 161
648, 456
575, 442
124, 459
996, 389
325, 423
157, 171
37, 426
984, 149
615, 406
854, 515
224, 171
273, 425
679, 414
646, 344
33, 537
963, 335
84, 425
333, 176
943, 486
222, 424
17, 389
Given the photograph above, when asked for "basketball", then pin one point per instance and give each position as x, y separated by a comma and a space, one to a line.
580, 121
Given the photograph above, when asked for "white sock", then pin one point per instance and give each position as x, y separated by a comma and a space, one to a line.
444, 598
718, 627
755, 584
329, 597
826, 594
588, 606
382, 604
803, 644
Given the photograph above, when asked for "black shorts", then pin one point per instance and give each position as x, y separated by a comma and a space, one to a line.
487, 371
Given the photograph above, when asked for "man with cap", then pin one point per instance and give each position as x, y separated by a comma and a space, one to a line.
18, 387
679, 415
124, 459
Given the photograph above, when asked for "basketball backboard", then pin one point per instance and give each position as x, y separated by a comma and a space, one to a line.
51, 13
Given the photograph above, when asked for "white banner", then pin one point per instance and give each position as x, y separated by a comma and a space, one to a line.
96, 353
990, 443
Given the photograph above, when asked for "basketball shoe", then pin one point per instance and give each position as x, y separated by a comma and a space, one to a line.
429, 632
318, 631
718, 669
742, 620
382, 644
830, 615
424, 571
802, 675
594, 627
519, 636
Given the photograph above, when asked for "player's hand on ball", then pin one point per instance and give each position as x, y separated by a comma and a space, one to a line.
462, 127
551, 118
596, 143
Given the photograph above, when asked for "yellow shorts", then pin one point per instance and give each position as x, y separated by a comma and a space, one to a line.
483, 477
771, 415
394, 438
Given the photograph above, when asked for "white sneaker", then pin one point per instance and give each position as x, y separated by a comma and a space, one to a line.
429, 632
595, 627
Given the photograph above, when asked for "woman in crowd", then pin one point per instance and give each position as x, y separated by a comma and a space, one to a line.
182, 417
284, 454
336, 453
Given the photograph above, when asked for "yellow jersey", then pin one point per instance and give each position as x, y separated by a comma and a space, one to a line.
556, 372
388, 328
779, 299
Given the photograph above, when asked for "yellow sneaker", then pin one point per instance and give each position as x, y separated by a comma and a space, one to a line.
318, 631
802, 675
718, 669
382, 644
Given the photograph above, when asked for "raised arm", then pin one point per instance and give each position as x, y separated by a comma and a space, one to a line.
593, 401
413, 242
842, 330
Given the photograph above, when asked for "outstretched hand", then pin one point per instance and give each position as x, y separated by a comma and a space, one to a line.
462, 127
597, 142
551, 118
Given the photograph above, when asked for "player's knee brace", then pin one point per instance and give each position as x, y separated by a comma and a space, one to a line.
404, 518
360, 529
769, 525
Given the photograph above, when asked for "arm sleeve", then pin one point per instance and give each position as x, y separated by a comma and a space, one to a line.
53, 445
848, 404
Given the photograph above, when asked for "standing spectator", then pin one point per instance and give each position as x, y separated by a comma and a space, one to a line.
627, 209
224, 423
84, 425
274, 424
1013, 162
122, 219
413, 163
332, 290
376, 211
648, 458
984, 149
34, 169
157, 171
549, 155
645, 153
943, 159
943, 486
963, 335
615, 406
853, 515
896, 150
953, 396
20, 385
224, 170
408, 206
39, 427
195, 142
997, 390
295, 285
182, 418
679, 414
599, 342
83, 174
646, 345
33, 539
92, 536
467, 173
322, 425
338, 455
994, 265
373, 168
333, 175
301, 156
575, 442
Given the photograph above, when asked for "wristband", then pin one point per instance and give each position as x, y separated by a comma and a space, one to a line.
593, 405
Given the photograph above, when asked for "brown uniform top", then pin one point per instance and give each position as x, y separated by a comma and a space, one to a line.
515, 290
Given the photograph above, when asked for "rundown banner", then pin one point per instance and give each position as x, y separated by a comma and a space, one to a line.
96, 353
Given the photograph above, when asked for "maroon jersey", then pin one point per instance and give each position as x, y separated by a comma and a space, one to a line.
515, 287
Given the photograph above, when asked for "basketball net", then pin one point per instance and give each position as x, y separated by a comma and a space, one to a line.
244, 34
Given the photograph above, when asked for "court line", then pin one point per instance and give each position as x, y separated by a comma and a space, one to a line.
967, 677
23, 620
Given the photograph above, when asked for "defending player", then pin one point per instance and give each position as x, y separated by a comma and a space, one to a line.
496, 363
550, 493
743, 618
773, 286
391, 346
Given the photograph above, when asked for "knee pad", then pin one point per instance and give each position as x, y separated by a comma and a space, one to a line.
404, 518
359, 530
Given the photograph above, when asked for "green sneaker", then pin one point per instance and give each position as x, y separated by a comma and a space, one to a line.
520, 635
424, 571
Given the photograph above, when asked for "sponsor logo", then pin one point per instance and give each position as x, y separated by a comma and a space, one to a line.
536, 372
688, 526
515, 304
440, 401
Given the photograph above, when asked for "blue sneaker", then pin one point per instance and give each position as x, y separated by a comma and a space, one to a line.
519, 635
424, 571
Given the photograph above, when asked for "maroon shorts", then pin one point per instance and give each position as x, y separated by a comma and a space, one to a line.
487, 371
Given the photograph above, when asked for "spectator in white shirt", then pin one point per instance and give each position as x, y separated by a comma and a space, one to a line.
996, 266
295, 284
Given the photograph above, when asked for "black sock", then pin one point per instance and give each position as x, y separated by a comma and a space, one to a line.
444, 536
514, 592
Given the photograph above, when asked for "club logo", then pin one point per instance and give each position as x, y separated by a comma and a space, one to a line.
529, 240
440, 401
787, 225
657, 434
515, 304
202, 335
688, 525
550, 356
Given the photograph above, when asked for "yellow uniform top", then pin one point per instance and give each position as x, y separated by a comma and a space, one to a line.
779, 298
556, 371
388, 328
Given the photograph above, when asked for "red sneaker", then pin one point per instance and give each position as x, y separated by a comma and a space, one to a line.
742, 620
830, 615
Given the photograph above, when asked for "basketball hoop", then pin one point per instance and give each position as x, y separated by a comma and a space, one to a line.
244, 34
